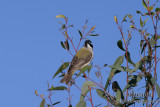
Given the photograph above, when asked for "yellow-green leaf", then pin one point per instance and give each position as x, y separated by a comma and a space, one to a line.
144, 4
42, 103
60, 16
61, 68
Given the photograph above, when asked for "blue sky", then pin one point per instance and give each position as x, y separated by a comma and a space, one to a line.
30, 51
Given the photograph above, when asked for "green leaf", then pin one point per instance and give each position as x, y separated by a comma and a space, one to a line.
116, 87
86, 85
130, 16
152, 41
106, 96
121, 68
138, 12
94, 34
129, 58
144, 4
63, 45
120, 45
57, 88
67, 45
158, 90
101, 93
119, 60
88, 67
61, 68
56, 103
146, 21
152, 13
60, 16
132, 26
85, 89
124, 18
134, 80
141, 23
42, 103
105, 65
80, 33
98, 105
63, 26
137, 66
144, 46
81, 104
118, 96
158, 37
157, 9
141, 43
150, 8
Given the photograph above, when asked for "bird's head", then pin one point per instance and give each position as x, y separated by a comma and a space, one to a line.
88, 44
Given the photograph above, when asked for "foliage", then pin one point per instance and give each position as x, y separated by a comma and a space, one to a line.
145, 69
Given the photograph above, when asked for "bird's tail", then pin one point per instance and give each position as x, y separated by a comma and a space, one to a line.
66, 78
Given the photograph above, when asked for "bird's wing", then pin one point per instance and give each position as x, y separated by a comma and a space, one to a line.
77, 63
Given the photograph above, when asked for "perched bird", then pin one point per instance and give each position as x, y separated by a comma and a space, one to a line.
82, 58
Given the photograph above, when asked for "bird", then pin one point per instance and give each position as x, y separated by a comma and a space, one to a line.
82, 58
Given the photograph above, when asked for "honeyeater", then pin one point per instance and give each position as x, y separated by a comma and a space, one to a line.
82, 58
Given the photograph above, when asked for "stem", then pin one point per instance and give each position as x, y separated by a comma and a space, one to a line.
90, 96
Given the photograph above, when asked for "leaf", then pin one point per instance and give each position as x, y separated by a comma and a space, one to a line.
94, 34
105, 65
61, 68
63, 26
56, 103
80, 33
92, 28
88, 67
81, 104
115, 18
146, 21
130, 16
134, 80
158, 90
141, 43
42, 103
158, 37
141, 23
101, 93
132, 26
150, 8
138, 12
63, 45
121, 68
57, 88
120, 45
85, 89
128, 57
124, 18
144, 46
106, 96
152, 13
119, 60
144, 4
86, 85
60, 16
152, 41
98, 105
118, 96
137, 66
157, 9
67, 45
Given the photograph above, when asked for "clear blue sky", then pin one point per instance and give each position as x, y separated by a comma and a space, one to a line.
30, 51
